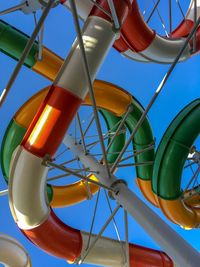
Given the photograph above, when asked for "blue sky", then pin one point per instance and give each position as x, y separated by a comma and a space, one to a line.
138, 78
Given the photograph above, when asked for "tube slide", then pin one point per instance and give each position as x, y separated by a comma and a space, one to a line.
138, 42
170, 158
39, 223
49, 67
12, 254
113, 102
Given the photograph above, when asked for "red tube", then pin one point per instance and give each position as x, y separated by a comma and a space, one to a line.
56, 238
51, 122
143, 257
183, 29
135, 31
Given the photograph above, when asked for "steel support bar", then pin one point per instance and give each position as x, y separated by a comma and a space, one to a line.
26, 51
181, 252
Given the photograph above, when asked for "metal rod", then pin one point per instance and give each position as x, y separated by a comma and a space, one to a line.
101, 8
159, 89
65, 162
4, 192
115, 225
61, 176
49, 163
114, 15
12, 9
93, 219
88, 127
130, 108
87, 73
139, 152
170, 17
26, 51
195, 19
152, 12
100, 233
81, 132
193, 178
40, 43
136, 164
161, 20
126, 238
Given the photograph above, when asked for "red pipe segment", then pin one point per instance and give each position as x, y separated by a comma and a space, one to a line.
51, 122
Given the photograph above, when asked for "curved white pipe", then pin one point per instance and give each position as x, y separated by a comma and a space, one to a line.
12, 254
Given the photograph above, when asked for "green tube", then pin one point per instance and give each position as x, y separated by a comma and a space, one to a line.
112, 124
13, 42
142, 139
173, 151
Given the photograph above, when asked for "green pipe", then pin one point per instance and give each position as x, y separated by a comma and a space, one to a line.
142, 139
13, 42
173, 151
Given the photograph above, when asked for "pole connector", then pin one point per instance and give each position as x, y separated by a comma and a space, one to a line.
115, 188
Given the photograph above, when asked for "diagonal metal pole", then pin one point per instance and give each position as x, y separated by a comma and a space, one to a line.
130, 108
26, 51
4, 192
12, 9
87, 73
67, 170
100, 233
159, 89
114, 15
152, 12
126, 238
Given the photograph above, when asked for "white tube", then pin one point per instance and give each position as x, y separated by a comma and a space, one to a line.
12, 254
27, 189
106, 252
98, 37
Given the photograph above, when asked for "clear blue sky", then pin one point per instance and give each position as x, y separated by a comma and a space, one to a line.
138, 78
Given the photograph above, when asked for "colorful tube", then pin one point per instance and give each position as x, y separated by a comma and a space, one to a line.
139, 42
108, 97
169, 163
48, 67
137, 37
12, 254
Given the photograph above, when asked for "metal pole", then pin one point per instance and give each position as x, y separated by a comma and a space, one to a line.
26, 51
181, 252
12, 9
67, 170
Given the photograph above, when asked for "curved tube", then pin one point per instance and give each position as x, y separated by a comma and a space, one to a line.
12, 254
169, 163
108, 97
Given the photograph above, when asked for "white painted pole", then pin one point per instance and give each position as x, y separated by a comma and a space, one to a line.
181, 252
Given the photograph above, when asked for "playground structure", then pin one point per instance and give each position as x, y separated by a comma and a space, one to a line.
32, 147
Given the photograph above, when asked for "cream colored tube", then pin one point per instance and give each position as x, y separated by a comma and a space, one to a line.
27, 189
106, 252
12, 254
98, 37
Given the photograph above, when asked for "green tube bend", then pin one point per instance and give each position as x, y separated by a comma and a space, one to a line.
173, 151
